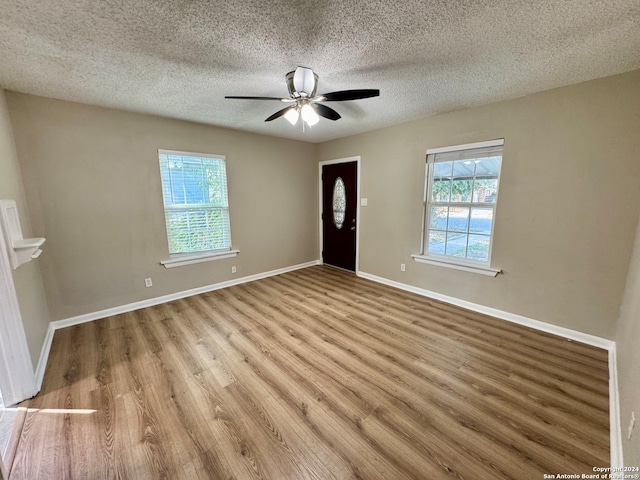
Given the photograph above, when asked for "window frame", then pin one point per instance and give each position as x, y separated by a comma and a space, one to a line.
443, 260
188, 258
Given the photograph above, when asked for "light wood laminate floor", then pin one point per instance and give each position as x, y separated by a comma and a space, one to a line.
314, 374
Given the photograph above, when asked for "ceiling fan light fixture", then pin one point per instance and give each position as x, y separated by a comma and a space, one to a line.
309, 115
292, 116
304, 82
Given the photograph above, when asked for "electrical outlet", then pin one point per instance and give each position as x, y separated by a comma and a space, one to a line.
148, 283
403, 267
233, 269
632, 423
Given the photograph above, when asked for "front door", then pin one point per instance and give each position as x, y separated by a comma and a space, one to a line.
339, 197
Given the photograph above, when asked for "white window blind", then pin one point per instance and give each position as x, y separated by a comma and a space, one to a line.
196, 204
461, 196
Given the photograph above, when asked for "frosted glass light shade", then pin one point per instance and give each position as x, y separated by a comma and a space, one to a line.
292, 116
309, 115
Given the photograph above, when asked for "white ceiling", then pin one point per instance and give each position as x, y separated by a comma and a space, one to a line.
180, 58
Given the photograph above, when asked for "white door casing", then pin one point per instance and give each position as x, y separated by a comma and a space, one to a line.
17, 378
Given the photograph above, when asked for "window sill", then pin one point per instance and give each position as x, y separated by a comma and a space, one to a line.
482, 270
198, 258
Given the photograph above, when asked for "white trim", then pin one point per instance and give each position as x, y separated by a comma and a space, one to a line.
467, 146
44, 356
89, 317
615, 430
17, 379
358, 212
191, 154
609, 345
480, 269
20, 250
180, 261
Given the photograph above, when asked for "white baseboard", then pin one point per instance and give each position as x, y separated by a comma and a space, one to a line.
609, 345
44, 357
89, 317
615, 429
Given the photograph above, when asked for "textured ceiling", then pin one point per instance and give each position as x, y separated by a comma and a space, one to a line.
180, 58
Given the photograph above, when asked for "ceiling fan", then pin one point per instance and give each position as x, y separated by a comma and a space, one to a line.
303, 84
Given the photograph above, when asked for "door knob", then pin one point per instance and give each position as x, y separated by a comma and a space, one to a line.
353, 228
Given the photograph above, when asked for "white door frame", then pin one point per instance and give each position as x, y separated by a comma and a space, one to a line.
17, 377
321, 239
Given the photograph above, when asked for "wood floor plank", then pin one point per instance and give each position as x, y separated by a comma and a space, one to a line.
314, 374
580, 423
480, 355
379, 297
461, 334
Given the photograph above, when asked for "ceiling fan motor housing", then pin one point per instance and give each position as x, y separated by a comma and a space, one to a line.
302, 82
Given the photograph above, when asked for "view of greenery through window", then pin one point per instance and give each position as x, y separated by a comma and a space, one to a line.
461, 206
196, 203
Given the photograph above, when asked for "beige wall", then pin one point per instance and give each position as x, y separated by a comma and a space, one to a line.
628, 353
568, 206
94, 177
27, 278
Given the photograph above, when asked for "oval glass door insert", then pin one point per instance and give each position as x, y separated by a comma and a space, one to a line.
339, 203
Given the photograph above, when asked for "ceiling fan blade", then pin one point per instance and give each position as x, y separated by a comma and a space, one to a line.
325, 111
349, 95
259, 98
279, 113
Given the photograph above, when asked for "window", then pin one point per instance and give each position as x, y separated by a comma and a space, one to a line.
339, 203
196, 205
461, 196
